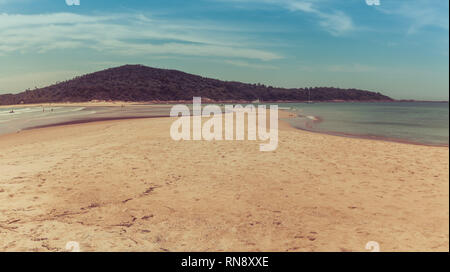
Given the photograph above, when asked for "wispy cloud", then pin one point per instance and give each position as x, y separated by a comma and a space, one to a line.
250, 65
420, 13
336, 22
125, 34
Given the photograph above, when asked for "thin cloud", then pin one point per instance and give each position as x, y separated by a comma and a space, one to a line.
125, 34
335, 22
250, 65
420, 14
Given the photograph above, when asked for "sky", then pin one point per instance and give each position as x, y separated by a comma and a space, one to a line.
397, 47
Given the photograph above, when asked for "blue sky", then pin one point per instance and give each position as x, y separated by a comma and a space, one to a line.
400, 47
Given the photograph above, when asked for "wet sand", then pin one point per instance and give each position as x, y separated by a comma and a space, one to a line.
127, 186
77, 114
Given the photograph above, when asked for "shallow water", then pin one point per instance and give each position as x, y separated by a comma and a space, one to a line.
32, 117
21, 118
417, 122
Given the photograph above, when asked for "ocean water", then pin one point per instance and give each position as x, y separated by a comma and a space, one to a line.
416, 122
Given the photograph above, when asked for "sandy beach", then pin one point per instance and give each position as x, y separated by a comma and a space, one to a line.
127, 186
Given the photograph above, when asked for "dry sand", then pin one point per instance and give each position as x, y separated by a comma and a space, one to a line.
126, 186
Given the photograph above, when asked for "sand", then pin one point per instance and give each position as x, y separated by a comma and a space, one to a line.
127, 186
93, 103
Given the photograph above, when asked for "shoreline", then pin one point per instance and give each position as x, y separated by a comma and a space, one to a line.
283, 114
94, 120
369, 137
318, 119
174, 102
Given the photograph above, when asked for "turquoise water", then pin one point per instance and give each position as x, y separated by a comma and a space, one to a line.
418, 122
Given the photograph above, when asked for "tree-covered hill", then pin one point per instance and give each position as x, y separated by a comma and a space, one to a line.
141, 83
